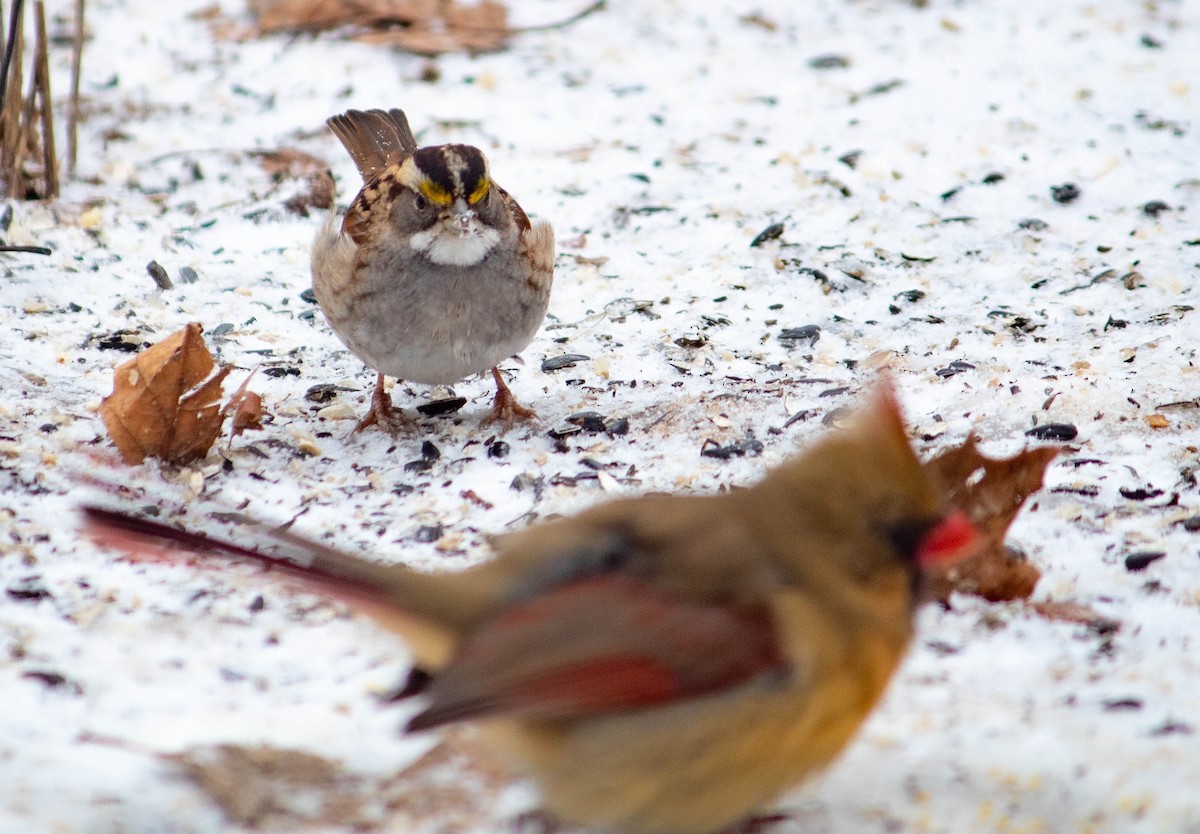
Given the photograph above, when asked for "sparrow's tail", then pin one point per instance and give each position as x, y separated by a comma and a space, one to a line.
375, 139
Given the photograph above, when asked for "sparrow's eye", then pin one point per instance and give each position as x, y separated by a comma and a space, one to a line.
420, 202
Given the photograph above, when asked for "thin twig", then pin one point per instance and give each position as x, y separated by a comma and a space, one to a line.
513, 30
73, 104
32, 250
23, 139
561, 24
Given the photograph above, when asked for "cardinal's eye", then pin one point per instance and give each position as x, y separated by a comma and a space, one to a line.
420, 202
907, 536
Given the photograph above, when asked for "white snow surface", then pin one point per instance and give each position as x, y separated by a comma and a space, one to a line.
660, 139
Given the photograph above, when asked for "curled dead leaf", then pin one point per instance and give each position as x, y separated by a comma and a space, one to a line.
165, 402
991, 491
477, 27
248, 413
318, 195
197, 421
1076, 612
455, 786
247, 409
421, 793
427, 27
322, 15
996, 574
290, 163
261, 785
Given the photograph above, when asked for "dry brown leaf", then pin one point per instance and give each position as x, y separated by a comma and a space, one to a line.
990, 491
248, 412
164, 403
996, 574
457, 783
321, 15
319, 195
247, 408
1077, 612
210, 12
428, 27
455, 786
290, 162
259, 785
481, 27
197, 421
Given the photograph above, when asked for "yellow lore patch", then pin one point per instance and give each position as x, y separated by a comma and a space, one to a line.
480, 191
434, 192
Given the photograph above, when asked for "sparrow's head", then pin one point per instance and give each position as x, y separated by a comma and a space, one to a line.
447, 204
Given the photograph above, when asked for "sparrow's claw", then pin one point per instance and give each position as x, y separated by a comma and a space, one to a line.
383, 414
505, 408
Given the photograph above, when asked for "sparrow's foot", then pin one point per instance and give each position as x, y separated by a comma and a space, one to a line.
505, 408
383, 413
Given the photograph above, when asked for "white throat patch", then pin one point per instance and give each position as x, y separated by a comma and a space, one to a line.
448, 248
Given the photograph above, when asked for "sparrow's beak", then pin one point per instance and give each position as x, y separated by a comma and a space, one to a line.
461, 215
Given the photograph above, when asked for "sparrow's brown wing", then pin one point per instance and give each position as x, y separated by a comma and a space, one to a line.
369, 207
600, 644
375, 139
518, 213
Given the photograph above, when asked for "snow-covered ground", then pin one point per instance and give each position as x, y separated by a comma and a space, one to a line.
910, 151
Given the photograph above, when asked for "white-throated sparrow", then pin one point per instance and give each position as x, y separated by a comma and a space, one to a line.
435, 273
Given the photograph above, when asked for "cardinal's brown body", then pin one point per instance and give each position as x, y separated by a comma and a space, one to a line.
670, 665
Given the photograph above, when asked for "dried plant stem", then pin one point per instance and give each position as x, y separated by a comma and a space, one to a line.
10, 46
4, 60
22, 139
73, 102
10, 100
27, 121
42, 86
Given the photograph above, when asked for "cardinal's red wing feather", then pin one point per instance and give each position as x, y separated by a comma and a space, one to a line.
597, 645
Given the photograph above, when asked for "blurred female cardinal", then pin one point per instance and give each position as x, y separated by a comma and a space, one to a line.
671, 663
